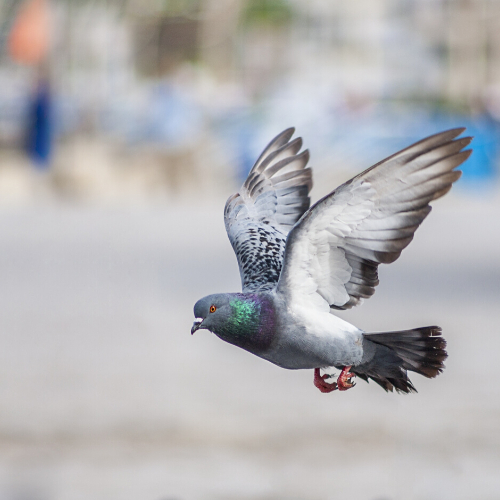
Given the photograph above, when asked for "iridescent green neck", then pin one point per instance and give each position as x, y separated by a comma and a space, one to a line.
251, 322
245, 314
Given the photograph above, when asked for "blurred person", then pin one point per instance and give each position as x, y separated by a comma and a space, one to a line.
28, 44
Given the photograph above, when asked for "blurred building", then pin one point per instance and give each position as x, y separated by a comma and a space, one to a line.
168, 79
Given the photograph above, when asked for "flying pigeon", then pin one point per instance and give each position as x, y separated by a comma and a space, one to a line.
298, 265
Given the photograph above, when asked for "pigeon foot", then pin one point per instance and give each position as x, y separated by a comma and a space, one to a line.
321, 384
344, 381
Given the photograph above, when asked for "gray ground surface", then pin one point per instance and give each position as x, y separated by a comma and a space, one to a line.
105, 395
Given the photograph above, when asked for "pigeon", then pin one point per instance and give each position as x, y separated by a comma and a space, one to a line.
300, 264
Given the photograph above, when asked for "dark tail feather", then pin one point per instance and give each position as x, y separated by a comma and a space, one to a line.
421, 350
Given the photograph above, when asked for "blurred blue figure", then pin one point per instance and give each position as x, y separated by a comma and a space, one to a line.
173, 118
238, 130
481, 168
39, 133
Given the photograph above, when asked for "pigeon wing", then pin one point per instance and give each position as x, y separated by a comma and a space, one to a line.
272, 199
333, 252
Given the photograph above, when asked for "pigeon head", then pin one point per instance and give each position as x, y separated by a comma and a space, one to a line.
245, 320
212, 312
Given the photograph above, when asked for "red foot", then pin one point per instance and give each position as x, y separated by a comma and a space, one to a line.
321, 384
344, 380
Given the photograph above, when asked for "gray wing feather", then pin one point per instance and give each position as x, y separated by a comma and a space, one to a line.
335, 249
272, 199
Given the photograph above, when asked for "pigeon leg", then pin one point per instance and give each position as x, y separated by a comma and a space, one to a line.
344, 380
321, 384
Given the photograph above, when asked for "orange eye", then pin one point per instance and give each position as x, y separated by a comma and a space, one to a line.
212, 309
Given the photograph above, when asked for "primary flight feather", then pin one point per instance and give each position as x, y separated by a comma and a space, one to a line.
298, 264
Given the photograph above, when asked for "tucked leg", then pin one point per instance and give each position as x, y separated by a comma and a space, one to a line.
321, 384
344, 380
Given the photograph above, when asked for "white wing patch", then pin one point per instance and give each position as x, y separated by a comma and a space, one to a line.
333, 252
324, 269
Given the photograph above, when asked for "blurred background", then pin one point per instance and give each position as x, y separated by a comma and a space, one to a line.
124, 126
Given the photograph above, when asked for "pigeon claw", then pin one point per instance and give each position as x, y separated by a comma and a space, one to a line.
344, 381
321, 383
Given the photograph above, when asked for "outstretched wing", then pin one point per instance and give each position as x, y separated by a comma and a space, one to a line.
272, 199
333, 252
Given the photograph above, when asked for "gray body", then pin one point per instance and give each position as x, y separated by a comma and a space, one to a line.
300, 345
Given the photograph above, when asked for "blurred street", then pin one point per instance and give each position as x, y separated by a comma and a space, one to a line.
106, 395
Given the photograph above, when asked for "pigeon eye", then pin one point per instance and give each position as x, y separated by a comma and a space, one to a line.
213, 309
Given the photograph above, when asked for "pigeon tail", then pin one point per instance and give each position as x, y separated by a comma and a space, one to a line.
421, 350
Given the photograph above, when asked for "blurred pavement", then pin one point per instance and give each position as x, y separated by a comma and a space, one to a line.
105, 394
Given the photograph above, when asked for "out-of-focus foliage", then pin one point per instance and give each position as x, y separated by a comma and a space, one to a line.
179, 7
272, 12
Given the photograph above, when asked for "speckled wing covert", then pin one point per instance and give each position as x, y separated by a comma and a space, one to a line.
270, 202
333, 252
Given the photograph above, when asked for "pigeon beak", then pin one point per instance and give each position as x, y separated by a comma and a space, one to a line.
196, 325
